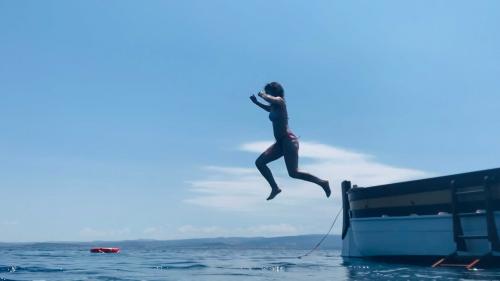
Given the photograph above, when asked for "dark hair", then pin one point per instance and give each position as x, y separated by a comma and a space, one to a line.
275, 89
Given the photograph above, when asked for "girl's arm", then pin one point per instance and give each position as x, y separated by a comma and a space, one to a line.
271, 99
266, 107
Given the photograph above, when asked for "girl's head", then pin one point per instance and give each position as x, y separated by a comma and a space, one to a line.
274, 89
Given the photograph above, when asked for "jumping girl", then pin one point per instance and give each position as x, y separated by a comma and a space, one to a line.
286, 144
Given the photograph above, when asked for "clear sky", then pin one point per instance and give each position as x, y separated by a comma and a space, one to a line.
131, 119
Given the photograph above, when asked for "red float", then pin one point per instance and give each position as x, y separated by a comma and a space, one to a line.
105, 250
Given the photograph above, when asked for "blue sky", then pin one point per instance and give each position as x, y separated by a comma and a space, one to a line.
131, 119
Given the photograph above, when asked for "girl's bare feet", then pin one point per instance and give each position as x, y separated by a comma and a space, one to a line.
326, 187
273, 194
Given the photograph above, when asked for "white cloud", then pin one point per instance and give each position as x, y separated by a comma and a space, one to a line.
9, 223
92, 233
190, 230
161, 232
270, 230
187, 231
312, 150
151, 230
244, 189
196, 231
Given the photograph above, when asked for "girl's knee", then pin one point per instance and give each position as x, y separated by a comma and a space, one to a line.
259, 163
294, 174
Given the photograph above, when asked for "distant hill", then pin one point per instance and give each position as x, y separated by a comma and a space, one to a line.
300, 242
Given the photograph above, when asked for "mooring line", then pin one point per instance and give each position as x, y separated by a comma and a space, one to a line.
324, 237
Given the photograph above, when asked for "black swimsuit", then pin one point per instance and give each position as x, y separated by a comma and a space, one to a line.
275, 116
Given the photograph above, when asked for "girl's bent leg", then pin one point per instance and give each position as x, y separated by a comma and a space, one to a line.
291, 153
272, 153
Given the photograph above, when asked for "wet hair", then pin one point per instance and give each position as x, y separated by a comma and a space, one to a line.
275, 89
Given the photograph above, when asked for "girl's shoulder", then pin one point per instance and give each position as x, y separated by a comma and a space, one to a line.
282, 103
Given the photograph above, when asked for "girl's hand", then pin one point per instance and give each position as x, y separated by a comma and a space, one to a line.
261, 94
253, 98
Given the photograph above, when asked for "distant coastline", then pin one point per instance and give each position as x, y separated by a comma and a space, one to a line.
298, 242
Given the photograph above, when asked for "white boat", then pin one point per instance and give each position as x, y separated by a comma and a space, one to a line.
444, 218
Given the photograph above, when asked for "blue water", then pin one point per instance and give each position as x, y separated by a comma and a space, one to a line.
76, 263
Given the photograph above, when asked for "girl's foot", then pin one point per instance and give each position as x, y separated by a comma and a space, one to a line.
273, 194
326, 187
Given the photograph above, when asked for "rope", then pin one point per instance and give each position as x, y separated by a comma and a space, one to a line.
324, 237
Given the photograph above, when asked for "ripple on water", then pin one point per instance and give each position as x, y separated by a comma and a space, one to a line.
5, 279
13, 268
180, 266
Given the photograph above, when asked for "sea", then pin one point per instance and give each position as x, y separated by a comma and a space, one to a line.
68, 262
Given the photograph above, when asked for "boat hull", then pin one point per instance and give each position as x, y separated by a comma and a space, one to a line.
455, 215
415, 235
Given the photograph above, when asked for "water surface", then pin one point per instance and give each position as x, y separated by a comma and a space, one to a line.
77, 263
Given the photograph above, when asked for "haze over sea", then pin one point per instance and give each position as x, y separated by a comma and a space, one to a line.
209, 259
